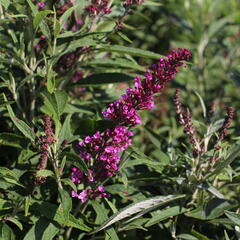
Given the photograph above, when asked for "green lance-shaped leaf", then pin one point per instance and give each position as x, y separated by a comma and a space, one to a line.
5, 3
199, 235
226, 235
5, 172
130, 51
39, 17
21, 125
234, 152
143, 205
33, 7
27, 204
4, 204
212, 190
104, 78
61, 99
101, 212
9, 176
66, 203
164, 214
65, 132
124, 37
73, 45
212, 210
51, 103
120, 62
215, 126
16, 222
233, 217
13, 140
6, 232
202, 104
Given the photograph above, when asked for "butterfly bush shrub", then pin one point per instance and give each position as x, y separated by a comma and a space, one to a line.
91, 147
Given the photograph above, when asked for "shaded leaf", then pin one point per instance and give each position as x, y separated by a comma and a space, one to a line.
104, 78
55, 213
120, 62
199, 235
131, 51
13, 140
65, 132
16, 222
6, 232
21, 125
43, 229
51, 103
213, 209
77, 161
102, 216
212, 190
164, 214
66, 203
61, 100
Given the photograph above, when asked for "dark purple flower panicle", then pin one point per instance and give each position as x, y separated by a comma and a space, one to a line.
185, 119
123, 111
44, 145
101, 151
98, 7
67, 61
129, 3
227, 123
77, 76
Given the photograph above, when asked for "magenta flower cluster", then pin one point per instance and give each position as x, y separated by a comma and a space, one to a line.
101, 151
41, 5
101, 154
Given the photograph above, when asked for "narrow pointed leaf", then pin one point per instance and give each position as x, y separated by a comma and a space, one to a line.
234, 217
164, 214
39, 17
21, 125
131, 51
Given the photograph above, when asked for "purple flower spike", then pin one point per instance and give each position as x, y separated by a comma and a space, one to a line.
101, 151
123, 111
